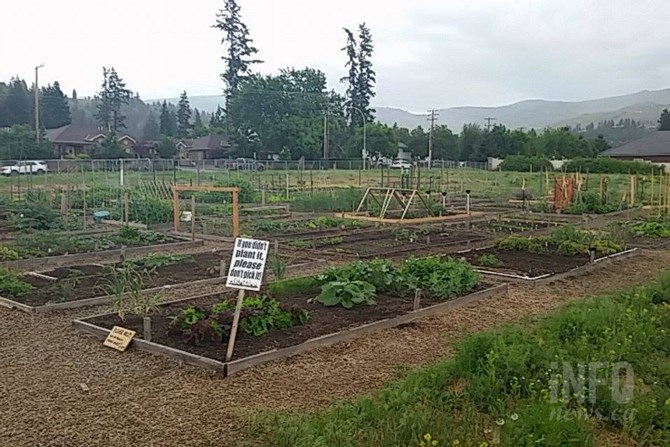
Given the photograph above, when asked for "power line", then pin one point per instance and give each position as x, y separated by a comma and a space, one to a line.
488, 122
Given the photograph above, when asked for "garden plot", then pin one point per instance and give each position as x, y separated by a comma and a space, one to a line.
295, 316
93, 284
505, 226
49, 250
367, 244
650, 234
565, 252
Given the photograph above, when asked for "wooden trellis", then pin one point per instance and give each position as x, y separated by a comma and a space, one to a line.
404, 198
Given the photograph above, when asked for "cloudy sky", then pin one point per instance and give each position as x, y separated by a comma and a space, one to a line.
429, 53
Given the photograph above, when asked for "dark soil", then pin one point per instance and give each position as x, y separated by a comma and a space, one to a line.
323, 321
528, 264
506, 226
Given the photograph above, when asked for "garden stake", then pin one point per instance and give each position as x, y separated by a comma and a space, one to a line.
193, 217
147, 328
233, 329
417, 299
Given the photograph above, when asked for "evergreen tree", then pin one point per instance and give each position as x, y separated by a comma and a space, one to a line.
74, 94
54, 107
152, 129
664, 120
16, 105
351, 95
183, 116
218, 121
240, 49
199, 128
168, 121
113, 96
366, 75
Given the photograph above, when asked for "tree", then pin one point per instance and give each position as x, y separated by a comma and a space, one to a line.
284, 111
15, 103
240, 49
168, 121
152, 129
74, 94
217, 122
110, 148
54, 107
351, 79
19, 142
381, 141
470, 142
183, 116
113, 96
167, 147
199, 128
664, 120
366, 75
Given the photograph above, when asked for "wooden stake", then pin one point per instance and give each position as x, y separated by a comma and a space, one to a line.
222, 269
417, 299
193, 217
83, 194
236, 214
147, 328
126, 210
233, 329
287, 184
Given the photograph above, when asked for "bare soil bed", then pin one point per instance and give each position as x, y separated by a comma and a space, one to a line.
86, 281
323, 321
526, 264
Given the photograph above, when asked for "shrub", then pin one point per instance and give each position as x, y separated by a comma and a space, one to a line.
11, 285
604, 165
587, 202
441, 278
523, 163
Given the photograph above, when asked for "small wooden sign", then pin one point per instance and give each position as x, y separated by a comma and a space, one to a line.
119, 338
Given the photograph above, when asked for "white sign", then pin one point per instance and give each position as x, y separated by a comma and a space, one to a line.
247, 264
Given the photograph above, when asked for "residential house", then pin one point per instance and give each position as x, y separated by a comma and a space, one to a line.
80, 138
653, 148
209, 147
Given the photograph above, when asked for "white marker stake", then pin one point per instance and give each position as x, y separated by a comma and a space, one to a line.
247, 266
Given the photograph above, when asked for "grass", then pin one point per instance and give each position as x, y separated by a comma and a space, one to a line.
505, 387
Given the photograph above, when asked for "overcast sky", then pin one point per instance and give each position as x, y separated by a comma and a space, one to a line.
428, 53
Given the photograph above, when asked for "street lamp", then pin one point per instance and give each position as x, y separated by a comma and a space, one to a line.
37, 102
365, 147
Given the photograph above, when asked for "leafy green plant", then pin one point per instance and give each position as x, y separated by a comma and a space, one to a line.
347, 294
379, 272
488, 260
294, 286
442, 278
163, 260
11, 285
66, 287
652, 229
300, 244
335, 240
8, 254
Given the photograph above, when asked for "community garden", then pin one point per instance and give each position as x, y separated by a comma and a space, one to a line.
352, 258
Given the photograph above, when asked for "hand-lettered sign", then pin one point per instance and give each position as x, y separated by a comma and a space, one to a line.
119, 338
247, 264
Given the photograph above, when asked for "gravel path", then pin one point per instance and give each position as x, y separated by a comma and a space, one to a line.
60, 388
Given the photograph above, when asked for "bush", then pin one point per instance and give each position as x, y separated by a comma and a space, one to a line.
522, 163
605, 165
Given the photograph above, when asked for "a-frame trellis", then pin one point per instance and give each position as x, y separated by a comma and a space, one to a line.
404, 198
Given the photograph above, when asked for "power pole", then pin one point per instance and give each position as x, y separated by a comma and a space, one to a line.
433, 117
488, 123
325, 134
37, 103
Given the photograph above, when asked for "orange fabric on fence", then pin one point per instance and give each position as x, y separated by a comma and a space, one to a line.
564, 191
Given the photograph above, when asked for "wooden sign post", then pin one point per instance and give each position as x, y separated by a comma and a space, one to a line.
247, 266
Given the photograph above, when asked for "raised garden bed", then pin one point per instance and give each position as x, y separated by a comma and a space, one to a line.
327, 326
521, 266
88, 284
505, 226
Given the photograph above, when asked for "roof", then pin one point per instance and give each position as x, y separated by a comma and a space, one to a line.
210, 142
81, 133
654, 144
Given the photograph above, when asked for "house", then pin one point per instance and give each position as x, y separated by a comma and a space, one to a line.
81, 138
209, 147
653, 148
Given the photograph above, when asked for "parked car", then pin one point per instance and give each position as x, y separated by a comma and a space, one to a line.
248, 164
401, 164
25, 167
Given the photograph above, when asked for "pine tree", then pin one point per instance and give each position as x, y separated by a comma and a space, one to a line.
199, 128
152, 129
54, 107
218, 121
240, 49
168, 121
664, 120
112, 97
18, 103
183, 116
74, 94
351, 79
366, 75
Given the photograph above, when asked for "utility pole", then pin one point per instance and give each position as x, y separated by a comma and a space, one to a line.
37, 103
325, 134
488, 123
433, 117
